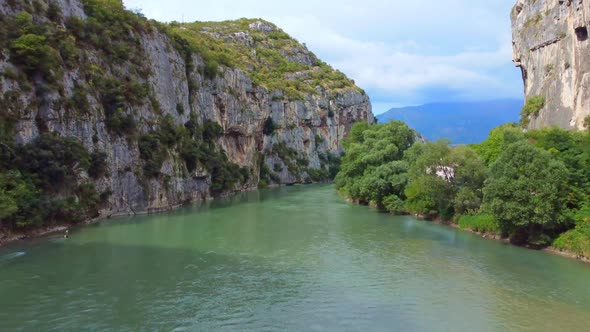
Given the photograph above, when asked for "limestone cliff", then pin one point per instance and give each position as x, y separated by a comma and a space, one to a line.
174, 109
551, 46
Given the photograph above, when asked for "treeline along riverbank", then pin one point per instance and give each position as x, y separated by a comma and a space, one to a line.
529, 188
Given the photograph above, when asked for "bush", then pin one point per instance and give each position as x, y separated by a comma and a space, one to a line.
483, 223
532, 107
54, 160
98, 165
153, 154
68, 50
169, 133
39, 183
393, 204
211, 130
179, 109
576, 240
269, 127
120, 123
210, 69
135, 93
15, 191
191, 153
54, 12
79, 100
319, 140
34, 55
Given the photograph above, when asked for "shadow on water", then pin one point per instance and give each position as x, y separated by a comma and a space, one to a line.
105, 286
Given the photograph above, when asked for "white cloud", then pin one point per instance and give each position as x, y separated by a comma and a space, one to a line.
399, 51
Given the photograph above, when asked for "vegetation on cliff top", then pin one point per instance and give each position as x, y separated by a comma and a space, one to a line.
531, 187
267, 54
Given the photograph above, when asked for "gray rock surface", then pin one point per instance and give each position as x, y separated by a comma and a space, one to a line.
551, 46
231, 99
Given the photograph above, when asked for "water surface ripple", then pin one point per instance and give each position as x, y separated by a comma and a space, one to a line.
296, 259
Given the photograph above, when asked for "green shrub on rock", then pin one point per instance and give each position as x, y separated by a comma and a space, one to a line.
532, 108
34, 55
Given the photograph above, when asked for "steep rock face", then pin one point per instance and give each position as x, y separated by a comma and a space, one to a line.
307, 129
551, 46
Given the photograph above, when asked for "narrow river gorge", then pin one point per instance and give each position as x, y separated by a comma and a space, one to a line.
297, 258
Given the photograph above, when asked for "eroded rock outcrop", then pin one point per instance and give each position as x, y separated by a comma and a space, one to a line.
116, 91
551, 46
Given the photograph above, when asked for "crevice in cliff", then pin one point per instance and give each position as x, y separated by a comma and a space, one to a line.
547, 43
582, 33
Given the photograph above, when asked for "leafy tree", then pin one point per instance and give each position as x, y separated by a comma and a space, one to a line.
388, 180
573, 149
429, 195
14, 192
577, 240
467, 200
372, 167
54, 161
454, 177
525, 192
356, 134
24, 22
39, 183
498, 141
469, 169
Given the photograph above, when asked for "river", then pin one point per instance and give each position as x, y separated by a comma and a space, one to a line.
297, 259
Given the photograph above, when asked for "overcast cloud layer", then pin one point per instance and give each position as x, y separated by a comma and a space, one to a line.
401, 52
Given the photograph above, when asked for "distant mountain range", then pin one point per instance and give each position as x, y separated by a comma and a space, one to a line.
461, 122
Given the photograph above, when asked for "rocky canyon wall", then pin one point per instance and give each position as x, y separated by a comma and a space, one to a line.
122, 84
551, 46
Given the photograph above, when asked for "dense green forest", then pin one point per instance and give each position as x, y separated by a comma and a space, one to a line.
530, 187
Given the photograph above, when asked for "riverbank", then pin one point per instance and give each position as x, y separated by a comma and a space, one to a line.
8, 237
485, 235
496, 237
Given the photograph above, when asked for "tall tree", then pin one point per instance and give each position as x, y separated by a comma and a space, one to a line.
372, 167
525, 192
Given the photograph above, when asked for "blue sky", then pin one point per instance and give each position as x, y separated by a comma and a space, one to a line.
401, 52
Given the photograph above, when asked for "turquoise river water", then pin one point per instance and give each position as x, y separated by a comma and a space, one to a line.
290, 259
